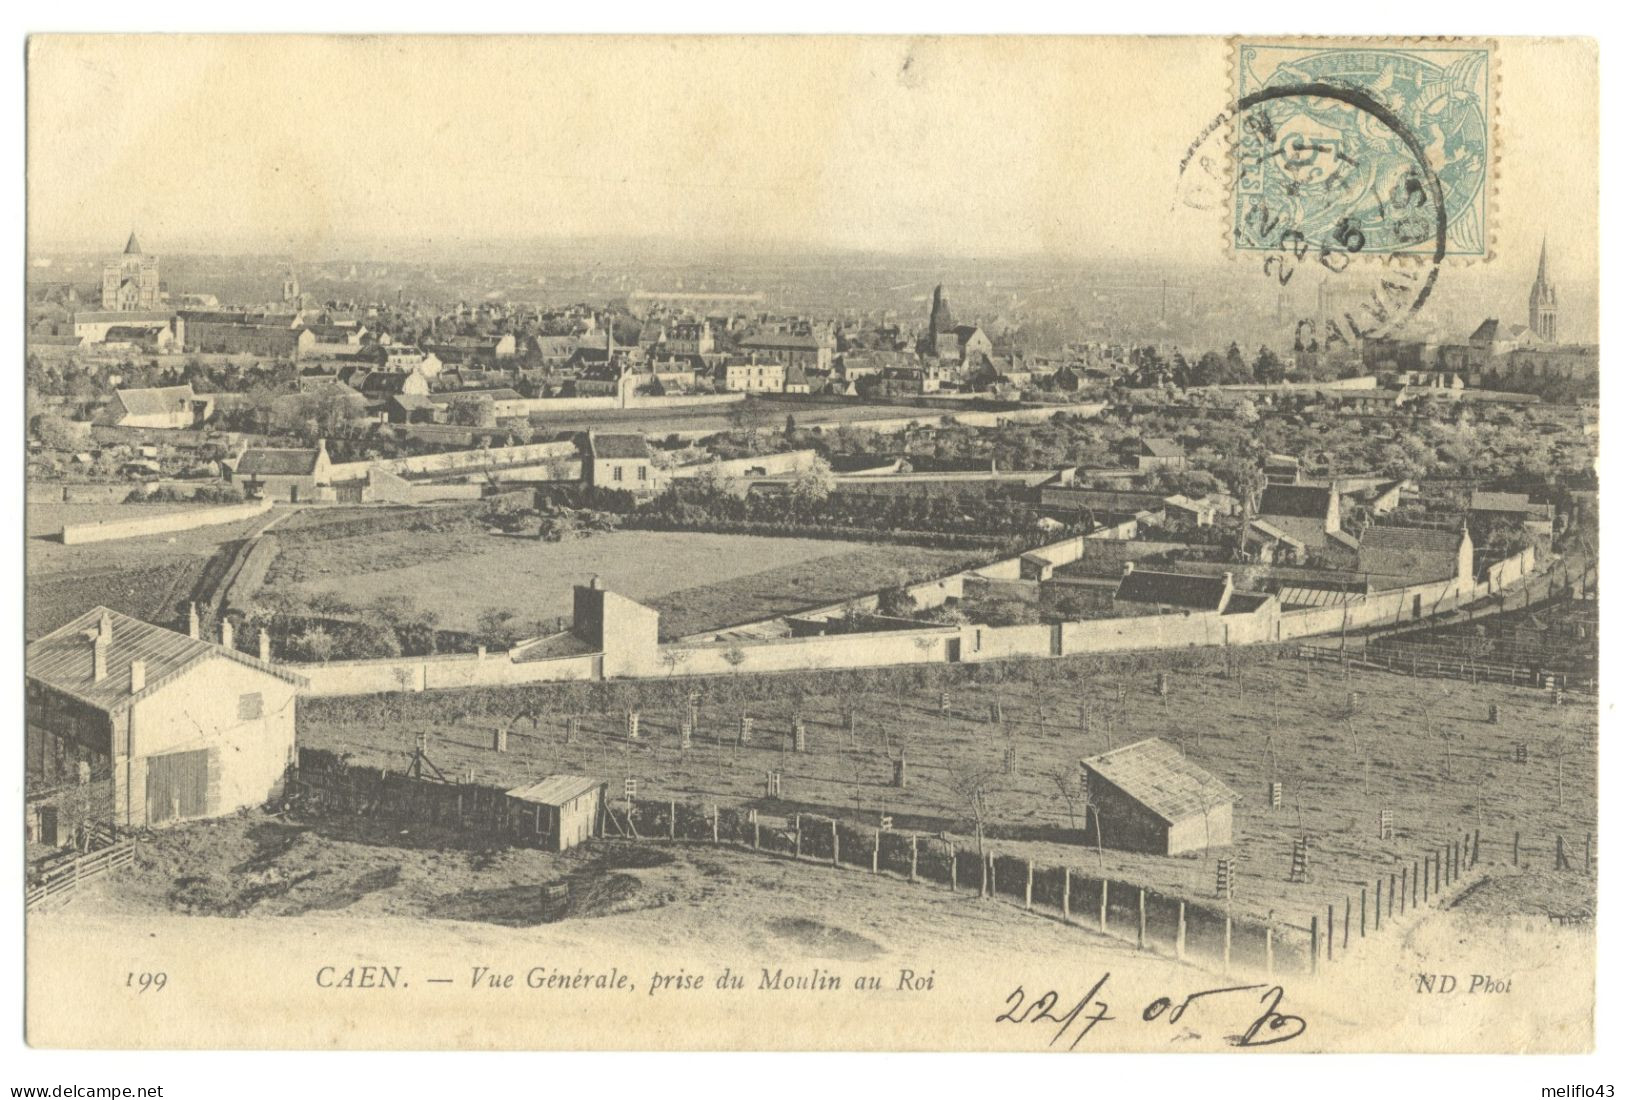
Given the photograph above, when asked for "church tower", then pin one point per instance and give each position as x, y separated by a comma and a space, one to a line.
942, 318
1543, 302
131, 284
290, 288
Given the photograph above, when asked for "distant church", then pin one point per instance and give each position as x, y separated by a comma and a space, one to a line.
1543, 303
131, 284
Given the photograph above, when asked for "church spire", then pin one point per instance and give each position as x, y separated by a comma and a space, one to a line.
1543, 302
132, 247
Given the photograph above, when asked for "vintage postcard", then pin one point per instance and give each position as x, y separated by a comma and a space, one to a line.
819, 543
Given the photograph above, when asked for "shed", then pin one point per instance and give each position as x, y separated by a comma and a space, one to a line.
1147, 797
558, 812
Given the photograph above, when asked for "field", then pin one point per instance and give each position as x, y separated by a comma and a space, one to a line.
460, 573
256, 866
1420, 747
145, 577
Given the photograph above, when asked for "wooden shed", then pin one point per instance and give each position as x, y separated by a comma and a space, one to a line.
558, 812
1147, 797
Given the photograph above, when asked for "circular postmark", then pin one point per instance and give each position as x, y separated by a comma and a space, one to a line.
1326, 178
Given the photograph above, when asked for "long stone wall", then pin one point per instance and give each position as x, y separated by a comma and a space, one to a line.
929, 645
186, 520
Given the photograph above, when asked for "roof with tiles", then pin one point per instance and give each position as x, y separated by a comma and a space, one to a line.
62, 659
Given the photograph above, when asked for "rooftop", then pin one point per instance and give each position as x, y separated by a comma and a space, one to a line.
1159, 777
556, 790
1305, 501
62, 659
1173, 589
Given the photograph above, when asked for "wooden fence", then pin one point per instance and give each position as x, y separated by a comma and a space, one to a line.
59, 878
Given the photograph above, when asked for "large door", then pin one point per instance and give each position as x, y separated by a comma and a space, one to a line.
177, 786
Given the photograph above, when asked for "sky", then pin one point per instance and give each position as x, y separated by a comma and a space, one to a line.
1068, 147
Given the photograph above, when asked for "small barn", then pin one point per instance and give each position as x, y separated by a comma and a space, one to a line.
1147, 797
558, 812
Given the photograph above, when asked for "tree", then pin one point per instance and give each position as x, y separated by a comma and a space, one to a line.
974, 787
1070, 785
814, 484
472, 410
1268, 369
1235, 367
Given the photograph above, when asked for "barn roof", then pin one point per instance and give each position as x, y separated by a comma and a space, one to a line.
156, 400
1173, 589
1162, 447
62, 659
617, 445
260, 461
1304, 501
1434, 540
556, 790
1160, 778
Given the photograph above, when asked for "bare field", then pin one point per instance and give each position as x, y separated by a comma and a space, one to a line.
144, 577
1422, 748
258, 867
459, 574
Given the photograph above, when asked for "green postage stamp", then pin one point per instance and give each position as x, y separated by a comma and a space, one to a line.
1377, 148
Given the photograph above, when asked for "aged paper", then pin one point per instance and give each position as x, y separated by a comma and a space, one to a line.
985, 544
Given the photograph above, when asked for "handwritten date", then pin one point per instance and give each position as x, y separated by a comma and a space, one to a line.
1269, 1028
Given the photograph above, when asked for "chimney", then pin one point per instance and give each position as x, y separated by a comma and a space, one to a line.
192, 627
227, 636
98, 658
594, 583
1128, 567
1229, 580
265, 646
138, 677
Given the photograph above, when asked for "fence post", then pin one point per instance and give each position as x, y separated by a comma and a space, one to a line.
1475, 847
953, 869
671, 822
1140, 941
798, 836
1103, 886
983, 860
1314, 944
1362, 905
874, 856
1415, 872
1179, 934
1347, 906
1516, 837
756, 828
1066, 892
716, 824
834, 843
913, 856
1331, 929
1269, 949
1029, 902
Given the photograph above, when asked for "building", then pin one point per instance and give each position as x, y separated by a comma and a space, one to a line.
94, 326
1148, 797
690, 338
1306, 513
804, 350
558, 812
183, 728
131, 284
1395, 557
1160, 454
227, 333
295, 474
1198, 513
1148, 592
1543, 302
624, 633
1517, 508
618, 460
752, 376
158, 407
